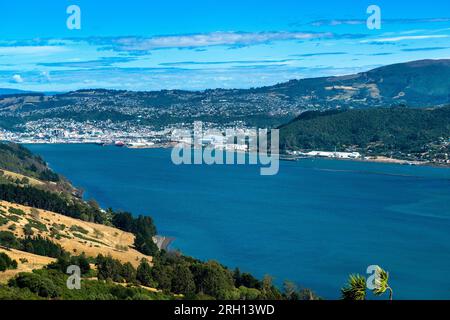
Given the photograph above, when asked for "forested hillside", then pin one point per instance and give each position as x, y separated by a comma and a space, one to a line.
18, 159
420, 133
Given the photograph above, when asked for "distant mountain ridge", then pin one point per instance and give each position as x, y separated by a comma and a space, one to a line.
4, 91
424, 83
416, 84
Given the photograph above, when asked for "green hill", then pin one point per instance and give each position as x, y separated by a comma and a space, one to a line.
20, 160
404, 132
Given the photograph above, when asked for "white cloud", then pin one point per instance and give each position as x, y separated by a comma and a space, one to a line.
17, 78
338, 22
207, 39
31, 50
402, 38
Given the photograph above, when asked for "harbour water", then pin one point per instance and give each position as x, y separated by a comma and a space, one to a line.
314, 223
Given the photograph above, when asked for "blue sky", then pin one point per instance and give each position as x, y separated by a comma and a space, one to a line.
199, 44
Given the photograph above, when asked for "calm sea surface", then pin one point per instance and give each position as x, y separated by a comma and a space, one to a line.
314, 223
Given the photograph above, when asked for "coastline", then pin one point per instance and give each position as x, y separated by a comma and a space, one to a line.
383, 160
283, 156
374, 159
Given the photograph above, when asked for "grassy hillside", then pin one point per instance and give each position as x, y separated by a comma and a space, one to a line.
72, 234
422, 133
20, 160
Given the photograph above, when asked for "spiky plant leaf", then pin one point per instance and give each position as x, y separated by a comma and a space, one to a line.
381, 282
355, 288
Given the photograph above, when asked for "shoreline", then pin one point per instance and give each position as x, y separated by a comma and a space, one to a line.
283, 157
383, 160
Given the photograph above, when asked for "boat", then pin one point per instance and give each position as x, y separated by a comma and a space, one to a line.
119, 144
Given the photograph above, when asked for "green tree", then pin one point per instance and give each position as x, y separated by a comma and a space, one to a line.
245, 279
249, 293
212, 279
163, 274
129, 273
268, 290
183, 280
64, 261
82, 262
109, 269
6, 262
144, 273
145, 244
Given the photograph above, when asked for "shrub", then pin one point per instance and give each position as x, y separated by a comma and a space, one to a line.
37, 225
64, 261
6, 262
36, 283
16, 211
79, 229
3, 221
7, 239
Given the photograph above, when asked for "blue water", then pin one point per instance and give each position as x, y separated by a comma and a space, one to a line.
314, 223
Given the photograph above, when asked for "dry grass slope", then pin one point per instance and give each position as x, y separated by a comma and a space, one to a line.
75, 236
26, 262
31, 181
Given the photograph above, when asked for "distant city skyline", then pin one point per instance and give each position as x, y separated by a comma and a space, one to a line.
196, 45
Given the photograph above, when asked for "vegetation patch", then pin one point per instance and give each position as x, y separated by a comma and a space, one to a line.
59, 227
416, 134
6, 262
36, 245
14, 218
36, 225
51, 284
81, 236
16, 211
3, 221
79, 229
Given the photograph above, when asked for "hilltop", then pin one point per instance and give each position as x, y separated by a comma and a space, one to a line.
424, 83
4, 91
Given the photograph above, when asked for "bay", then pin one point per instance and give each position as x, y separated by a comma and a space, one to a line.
314, 223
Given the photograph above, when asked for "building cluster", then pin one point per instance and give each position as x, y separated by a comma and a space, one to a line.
63, 131
326, 154
101, 132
